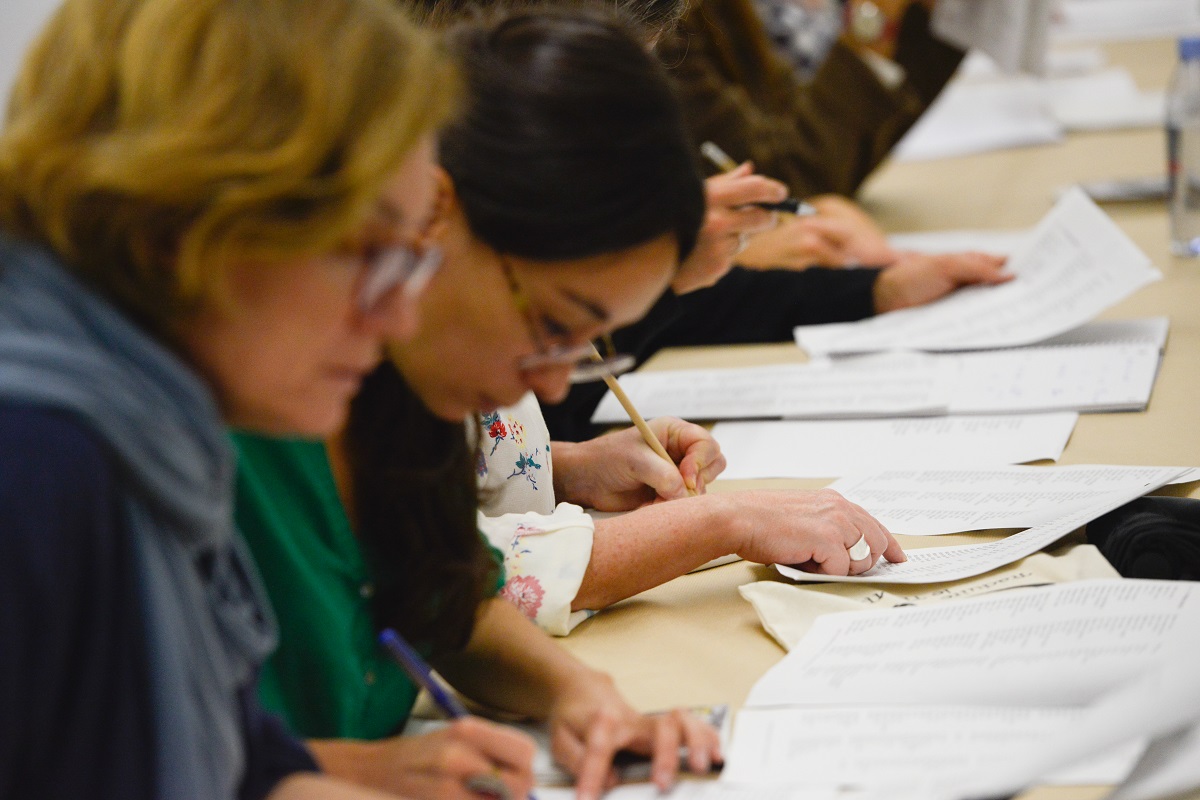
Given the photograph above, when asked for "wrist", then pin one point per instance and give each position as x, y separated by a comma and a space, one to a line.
563, 468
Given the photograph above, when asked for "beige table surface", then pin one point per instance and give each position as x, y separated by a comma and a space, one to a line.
694, 641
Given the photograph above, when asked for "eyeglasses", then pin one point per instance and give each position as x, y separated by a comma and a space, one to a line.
587, 364
397, 266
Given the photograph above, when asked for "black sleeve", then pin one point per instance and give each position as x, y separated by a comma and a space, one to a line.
744, 307
273, 752
75, 715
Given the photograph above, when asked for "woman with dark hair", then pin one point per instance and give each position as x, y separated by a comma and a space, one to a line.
567, 200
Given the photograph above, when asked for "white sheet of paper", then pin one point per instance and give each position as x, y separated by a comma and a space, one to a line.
856, 746
1001, 243
968, 119
1163, 699
868, 387
940, 501
698, 790
1062, 645
1077, 264
1170, 766
1094, 20
941, 564
1117, 377
807, 449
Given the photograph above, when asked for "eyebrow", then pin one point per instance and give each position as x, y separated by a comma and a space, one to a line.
597, 311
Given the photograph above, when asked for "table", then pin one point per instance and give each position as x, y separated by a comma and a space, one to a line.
694, 640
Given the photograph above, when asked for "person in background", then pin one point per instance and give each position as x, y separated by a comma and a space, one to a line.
822, 136
183, 188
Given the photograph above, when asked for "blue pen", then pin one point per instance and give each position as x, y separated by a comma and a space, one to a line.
408, 658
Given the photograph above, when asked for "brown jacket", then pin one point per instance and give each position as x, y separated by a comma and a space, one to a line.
823, 136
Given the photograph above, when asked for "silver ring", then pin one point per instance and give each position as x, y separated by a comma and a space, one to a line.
860, 550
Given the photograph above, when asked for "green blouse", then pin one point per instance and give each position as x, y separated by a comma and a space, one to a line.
329, 678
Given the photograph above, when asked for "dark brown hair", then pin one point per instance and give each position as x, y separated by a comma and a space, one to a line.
571, 144
415, 500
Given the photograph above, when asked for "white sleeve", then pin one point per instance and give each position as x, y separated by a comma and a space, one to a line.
545, 557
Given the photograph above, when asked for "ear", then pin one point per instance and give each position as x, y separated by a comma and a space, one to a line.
446, 205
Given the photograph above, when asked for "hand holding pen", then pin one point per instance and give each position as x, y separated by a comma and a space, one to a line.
734, 213
473, 758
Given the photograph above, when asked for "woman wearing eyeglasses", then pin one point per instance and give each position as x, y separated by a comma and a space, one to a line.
568, 189
200, 208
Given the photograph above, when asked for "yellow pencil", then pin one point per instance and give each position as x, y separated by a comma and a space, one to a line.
638, 420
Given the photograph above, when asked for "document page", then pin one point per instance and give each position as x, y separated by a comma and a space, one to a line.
940, 501
1101, 366
1077, 264
875, 386
1110, 377
864, 746
800, 449
940, 564
1062, 645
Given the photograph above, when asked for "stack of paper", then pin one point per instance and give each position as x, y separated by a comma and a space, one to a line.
982, 697
1077, 264
1101, 366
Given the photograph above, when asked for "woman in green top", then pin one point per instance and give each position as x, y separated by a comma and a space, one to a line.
570, 162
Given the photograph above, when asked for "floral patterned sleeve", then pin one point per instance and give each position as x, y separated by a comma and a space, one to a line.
546, 548
545, 557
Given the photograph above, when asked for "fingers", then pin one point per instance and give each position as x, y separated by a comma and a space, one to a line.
739, 188
594, 765
481, 751
693, 448
971, 268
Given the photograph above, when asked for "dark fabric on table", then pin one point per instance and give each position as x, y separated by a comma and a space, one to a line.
744, 307
1152, 537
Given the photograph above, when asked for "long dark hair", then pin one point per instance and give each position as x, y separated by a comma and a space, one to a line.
571, 145
650, 19
589, 119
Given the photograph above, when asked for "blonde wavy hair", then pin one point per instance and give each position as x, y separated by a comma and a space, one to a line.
148, 142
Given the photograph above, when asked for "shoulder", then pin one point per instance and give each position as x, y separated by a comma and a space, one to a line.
58, 482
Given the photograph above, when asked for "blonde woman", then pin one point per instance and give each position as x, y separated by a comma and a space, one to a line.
207, 216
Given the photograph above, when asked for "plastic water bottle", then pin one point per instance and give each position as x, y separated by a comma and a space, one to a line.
1183, 149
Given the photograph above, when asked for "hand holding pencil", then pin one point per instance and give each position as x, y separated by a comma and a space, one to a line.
663, 459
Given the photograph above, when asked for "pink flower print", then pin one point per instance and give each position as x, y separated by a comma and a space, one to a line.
526, 593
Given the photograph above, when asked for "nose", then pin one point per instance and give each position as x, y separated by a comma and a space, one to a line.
395, 317
550, 384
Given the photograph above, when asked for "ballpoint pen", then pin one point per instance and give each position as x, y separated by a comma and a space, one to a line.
723, 162
412, 663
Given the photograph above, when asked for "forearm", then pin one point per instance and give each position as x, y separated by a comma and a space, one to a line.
652, 545
512, 665
346, 759
319, 787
